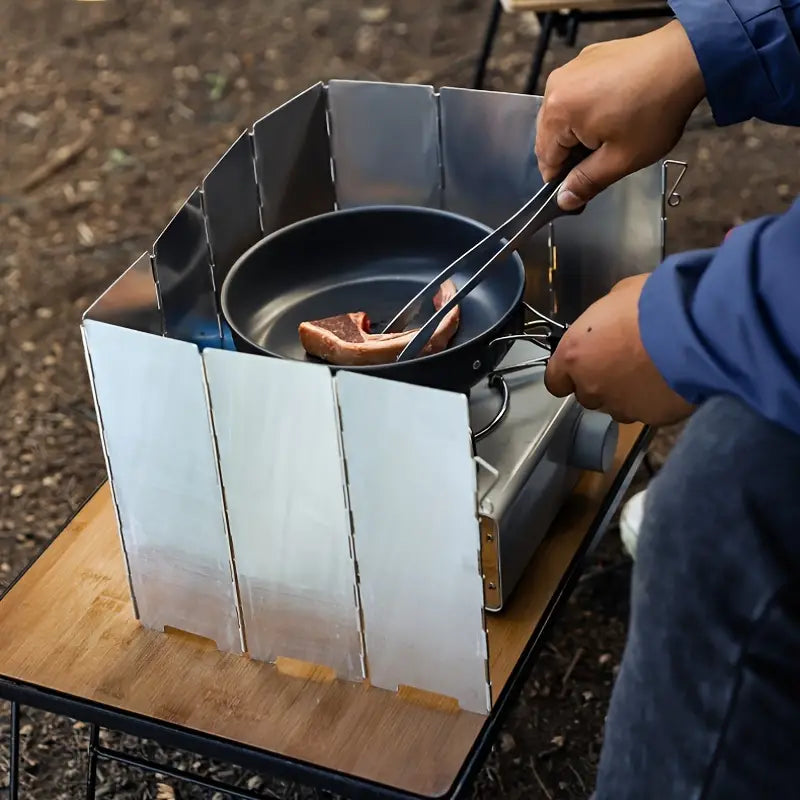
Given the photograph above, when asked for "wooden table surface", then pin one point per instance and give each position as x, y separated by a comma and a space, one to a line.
67, 625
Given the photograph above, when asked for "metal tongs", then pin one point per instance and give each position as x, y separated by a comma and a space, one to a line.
539, 211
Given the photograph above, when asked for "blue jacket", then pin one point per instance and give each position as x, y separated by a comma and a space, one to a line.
727, 320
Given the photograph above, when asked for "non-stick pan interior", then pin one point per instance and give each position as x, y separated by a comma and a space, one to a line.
367, 259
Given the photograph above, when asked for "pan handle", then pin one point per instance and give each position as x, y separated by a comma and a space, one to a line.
548, 329
542, 331
533, 338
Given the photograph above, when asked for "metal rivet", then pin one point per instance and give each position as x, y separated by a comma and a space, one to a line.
489, 537
476, 365
492, 586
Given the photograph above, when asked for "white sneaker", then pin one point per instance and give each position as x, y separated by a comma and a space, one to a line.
630, 522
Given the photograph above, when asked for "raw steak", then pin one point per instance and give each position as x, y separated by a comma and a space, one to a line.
345, 340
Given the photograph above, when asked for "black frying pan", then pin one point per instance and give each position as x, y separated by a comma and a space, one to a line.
374, 260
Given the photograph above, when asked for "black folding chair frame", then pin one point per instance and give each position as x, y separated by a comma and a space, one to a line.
563, 23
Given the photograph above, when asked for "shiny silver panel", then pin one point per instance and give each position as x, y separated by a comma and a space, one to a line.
230, 201
277, 432
619, 234
131, 301
490, 168
156, 425
104, 448
385, 142
293, 161
183, 274
412, 485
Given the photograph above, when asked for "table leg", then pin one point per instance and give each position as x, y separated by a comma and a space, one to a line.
548, 21
571, 33
488, 41
91, 767
13, 754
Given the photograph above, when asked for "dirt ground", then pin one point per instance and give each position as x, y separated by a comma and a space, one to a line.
109, 114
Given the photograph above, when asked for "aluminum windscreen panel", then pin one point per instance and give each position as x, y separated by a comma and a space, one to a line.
490, 168
156, 426
278, 437
183, 274
293, 161
617, 235
131, 301
412, 488
385, 142
230, 201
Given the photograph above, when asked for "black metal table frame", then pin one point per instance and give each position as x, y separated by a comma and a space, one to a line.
565, 24
99, 716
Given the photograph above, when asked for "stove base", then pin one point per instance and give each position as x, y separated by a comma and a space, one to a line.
537, 454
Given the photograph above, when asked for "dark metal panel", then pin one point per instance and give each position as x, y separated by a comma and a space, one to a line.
490, 168
617, 235
131, 301
293, 162
183, 275
385, 142
230, 201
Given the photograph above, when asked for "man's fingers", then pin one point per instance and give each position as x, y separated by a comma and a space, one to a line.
588, 400
617, 415
552, 158
596, 172
553, 144
557, 380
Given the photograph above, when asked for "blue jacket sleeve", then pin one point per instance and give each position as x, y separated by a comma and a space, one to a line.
727, 321
749, 55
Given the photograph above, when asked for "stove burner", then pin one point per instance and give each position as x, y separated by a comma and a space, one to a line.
498, 382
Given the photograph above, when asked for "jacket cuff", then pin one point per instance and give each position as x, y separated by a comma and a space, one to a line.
666, 327
734, 75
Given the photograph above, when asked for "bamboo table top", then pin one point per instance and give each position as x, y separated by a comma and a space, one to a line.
67, 626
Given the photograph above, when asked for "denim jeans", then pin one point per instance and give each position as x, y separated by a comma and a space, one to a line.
706, 705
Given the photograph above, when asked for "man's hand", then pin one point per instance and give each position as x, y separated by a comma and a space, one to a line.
602, 360
629, 100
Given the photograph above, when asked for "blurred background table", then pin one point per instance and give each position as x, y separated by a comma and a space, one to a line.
562, 18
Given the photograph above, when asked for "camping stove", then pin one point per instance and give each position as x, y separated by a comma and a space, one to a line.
534, 449
289, 511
